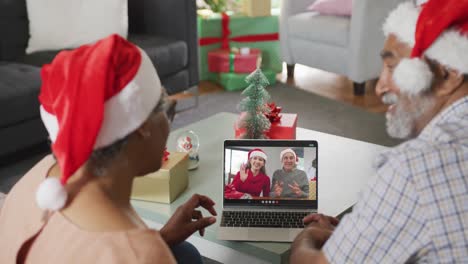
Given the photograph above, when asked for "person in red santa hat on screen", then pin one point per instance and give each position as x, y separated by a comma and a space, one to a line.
289, 181
415, 209
252, 177
102, 106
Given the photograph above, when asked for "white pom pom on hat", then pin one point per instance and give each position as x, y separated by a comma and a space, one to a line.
412, 76
51, 195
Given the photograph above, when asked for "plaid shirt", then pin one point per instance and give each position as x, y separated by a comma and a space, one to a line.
416, 209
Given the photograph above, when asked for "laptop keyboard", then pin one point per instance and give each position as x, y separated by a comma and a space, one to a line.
263, 219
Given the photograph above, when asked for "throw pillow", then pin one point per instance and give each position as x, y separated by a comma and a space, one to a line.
332, 7
62, 24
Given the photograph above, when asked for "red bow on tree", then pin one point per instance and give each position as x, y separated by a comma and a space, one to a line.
274, 114
166, 154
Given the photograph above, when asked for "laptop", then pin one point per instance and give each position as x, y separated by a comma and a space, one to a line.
269, 206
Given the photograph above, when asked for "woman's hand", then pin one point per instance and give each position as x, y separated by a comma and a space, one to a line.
186, 220
243, 173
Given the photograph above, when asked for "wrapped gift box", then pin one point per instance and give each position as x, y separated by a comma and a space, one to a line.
166, 184
240, 31
255, 8
236, 81
284, 129
244, 60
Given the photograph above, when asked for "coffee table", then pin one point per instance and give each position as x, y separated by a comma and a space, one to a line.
345, 165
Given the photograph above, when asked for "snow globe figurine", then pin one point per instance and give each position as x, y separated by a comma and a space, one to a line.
188, 142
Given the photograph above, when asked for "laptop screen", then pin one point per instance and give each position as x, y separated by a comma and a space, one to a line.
272, 173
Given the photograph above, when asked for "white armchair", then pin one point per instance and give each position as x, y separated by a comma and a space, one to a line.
342, 45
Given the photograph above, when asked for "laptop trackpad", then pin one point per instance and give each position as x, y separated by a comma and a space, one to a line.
280, 234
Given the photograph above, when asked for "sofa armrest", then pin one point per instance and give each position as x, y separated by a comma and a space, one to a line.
367, 38
176, 19
289, 8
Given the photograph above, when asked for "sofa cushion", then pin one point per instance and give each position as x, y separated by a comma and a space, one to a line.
168, 56
62, 24
331, 30
38, 58
13, 29
19, 90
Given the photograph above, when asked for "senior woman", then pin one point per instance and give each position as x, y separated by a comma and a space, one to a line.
289, 182
101, 105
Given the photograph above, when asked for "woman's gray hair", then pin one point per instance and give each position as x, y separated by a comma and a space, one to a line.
101, 158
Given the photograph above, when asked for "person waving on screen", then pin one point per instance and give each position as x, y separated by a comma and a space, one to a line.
252, 178
289, 182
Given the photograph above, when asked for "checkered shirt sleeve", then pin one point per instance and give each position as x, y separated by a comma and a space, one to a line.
383, 227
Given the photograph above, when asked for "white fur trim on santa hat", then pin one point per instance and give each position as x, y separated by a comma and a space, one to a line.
287, 151
257, 153
450, 50
412, 76
124, 112
402, 22
51, 195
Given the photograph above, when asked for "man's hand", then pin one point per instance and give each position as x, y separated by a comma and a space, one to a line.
243, 173
278, 188
296, 189
321, 220
186, 220
307, 245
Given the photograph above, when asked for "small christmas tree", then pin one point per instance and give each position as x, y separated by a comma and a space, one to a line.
255, 104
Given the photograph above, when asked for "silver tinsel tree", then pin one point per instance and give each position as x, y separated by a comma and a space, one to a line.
255, 122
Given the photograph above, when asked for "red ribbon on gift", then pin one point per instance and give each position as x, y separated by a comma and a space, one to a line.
224, 39
274, 114
166, 154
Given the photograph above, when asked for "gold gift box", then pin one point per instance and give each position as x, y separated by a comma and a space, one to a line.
257, 8
166, 184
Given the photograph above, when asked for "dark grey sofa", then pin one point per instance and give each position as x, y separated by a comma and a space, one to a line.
165, 29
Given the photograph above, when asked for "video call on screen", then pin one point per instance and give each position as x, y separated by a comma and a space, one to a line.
278, 181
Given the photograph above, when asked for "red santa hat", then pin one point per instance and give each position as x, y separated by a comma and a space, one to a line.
437, 29
288, 150
90, 98
257, 153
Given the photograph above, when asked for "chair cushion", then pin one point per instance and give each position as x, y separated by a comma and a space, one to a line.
19, 89
168, 56
331, 30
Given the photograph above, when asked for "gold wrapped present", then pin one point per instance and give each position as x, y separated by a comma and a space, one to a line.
166, 184
257, 8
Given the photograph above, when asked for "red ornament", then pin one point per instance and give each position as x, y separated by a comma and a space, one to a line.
166, 154
274, 114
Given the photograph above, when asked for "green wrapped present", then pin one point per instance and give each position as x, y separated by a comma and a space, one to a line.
236, 81
217, 31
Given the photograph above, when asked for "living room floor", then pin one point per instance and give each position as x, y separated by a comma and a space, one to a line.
316, 81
